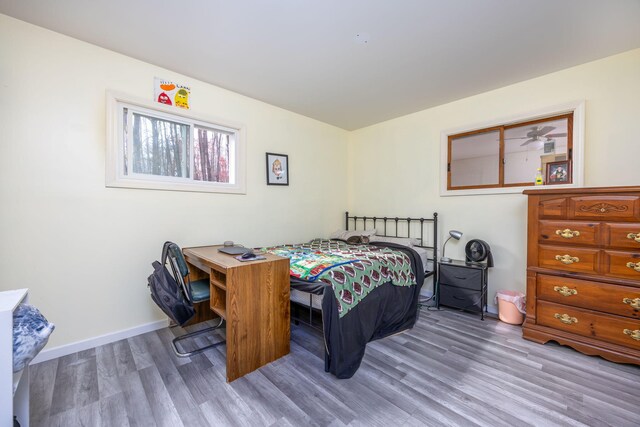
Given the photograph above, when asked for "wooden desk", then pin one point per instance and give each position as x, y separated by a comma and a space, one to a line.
253, 298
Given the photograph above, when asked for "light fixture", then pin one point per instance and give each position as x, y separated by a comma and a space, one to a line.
456, 235
549, 146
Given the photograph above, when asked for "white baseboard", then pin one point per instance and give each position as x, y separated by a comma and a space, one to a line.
492, 309
63, 350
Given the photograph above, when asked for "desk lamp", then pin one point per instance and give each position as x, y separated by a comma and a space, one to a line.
456, 235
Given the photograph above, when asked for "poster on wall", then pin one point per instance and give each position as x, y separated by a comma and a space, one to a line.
277, 169
171, 93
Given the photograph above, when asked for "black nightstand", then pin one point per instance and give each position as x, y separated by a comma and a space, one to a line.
462, 285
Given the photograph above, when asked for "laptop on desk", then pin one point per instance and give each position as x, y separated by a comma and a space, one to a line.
234, 250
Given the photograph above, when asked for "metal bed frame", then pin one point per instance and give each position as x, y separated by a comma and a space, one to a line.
399, 232
402, 227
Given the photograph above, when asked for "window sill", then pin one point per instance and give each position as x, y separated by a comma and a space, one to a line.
194, 187
501, 190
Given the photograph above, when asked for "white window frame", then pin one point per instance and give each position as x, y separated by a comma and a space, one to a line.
115, 176
578, 109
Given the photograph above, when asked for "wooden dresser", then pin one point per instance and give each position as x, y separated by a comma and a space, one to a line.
583, 270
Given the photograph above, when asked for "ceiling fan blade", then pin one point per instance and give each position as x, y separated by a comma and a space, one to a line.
517, 137
546, 130
555, 135
538, 131
527, 142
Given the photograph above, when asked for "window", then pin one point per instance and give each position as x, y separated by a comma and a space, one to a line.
159, 147
509, 155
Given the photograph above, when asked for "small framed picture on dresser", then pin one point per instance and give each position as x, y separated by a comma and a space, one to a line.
277, 169
558, 172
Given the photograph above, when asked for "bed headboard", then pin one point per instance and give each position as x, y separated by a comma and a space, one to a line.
425, 230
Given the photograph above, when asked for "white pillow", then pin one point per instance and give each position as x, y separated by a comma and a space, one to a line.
406, 241
344, 234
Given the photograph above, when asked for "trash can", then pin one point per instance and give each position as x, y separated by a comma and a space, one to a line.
511, 306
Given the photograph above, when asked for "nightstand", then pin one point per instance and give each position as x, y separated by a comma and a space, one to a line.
463, 285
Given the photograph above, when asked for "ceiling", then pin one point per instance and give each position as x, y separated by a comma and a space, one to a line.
350, 63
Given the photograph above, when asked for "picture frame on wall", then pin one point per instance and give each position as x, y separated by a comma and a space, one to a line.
558, 172
277, 169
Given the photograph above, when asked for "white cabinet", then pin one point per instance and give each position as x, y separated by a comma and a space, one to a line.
13, 387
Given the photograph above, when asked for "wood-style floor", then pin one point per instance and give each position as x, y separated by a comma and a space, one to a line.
451, 369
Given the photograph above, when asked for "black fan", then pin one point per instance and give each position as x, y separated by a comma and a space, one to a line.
478, 251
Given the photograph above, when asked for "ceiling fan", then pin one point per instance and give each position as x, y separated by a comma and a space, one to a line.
538, 133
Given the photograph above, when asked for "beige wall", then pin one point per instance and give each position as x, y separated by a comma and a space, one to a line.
394, 165
84, 250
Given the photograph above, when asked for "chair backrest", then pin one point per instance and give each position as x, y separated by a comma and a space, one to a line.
172, 254
170, 291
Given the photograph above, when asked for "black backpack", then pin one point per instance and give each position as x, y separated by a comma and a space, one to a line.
172, 297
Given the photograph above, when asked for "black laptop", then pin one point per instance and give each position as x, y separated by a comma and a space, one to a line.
234, 250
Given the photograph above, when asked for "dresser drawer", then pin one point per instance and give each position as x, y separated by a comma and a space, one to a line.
462, 277
553, 208
604, 297
581, 260
583, 233
605, 327
622, 264
622, 235
610, 207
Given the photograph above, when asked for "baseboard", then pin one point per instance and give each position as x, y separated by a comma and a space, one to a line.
492, 309
63, 350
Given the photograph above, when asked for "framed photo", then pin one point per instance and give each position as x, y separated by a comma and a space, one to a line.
558, 172
277, 169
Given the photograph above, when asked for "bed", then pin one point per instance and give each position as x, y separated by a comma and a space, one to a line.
372, 292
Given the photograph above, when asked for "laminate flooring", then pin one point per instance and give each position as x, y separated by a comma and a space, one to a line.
451, 369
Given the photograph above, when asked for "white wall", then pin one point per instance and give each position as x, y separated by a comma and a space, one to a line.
84, 250
394, 165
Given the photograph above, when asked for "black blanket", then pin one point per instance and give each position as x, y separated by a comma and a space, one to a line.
388, 309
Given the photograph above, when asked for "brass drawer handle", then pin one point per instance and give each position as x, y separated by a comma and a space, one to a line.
634, 236
633, 334
635, 303
565, 291
566, 319
634, 265
567, 234
568, 259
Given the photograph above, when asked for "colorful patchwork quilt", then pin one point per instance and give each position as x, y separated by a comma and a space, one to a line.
352, 271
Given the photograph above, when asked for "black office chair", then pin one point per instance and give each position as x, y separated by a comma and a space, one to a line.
195, 292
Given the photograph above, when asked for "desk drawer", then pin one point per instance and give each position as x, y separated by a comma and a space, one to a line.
604, 297
462, 277
605, 327
462, 298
